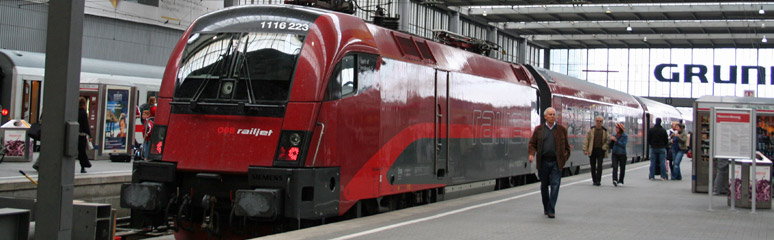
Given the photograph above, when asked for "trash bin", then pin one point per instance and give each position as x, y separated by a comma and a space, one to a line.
16, 141
743, 187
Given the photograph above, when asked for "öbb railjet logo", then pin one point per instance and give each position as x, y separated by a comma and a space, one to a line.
250, 131
691, 71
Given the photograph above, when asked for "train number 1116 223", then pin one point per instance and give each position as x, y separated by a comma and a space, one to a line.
285, 25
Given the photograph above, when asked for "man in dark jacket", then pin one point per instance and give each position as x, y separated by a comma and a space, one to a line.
549, 143
658, 141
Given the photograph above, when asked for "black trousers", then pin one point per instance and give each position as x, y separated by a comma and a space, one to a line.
595, 160
619, 161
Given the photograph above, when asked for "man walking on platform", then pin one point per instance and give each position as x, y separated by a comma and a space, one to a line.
595, 146
658, 141
549, 147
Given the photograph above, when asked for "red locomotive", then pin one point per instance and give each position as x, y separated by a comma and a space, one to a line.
274, 117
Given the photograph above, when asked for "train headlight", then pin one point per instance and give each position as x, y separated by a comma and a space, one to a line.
295, 139
227, 88
292, 148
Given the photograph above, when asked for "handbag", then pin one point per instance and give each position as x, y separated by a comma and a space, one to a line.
689, 154
89, 145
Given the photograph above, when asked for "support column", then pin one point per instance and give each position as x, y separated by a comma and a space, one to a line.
229, 3
403, 10
454, 22
64, 42
492, 37
521, 56
547, 58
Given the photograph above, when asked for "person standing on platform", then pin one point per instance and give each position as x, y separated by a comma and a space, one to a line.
679, 147
148, 127
619, 153
720, 184
549, 147
595, 146
150, 105
658, 141
84, 134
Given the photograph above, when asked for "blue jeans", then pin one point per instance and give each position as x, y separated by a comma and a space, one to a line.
145, 149
657, 156
549, 174
676, 159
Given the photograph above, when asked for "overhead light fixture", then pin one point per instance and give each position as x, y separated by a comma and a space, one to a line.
764, 40
484, 13
645, 39
763, 25
761, 12
629, 28
608, 10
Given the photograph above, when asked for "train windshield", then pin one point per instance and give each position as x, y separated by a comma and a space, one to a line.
238, 67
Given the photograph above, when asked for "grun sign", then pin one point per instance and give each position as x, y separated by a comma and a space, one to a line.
691, 72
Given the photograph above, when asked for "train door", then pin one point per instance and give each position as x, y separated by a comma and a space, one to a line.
646, 147
441, 158
31, 99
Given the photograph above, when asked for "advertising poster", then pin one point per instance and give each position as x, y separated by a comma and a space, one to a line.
13, 141
736, 183
116, 119
762, 184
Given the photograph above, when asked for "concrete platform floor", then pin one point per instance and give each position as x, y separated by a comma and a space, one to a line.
10, 170
642, 209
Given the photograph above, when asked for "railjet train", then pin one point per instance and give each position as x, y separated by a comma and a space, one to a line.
343, 119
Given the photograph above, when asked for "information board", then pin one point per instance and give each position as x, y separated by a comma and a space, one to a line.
733, 133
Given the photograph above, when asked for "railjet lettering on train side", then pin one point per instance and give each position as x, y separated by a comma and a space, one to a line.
693, 71
251, 131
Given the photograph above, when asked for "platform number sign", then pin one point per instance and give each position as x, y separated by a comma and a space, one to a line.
749, 93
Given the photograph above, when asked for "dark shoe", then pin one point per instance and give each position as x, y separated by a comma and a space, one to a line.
615, 183
551, 215
83, 170
597, 184
545, 213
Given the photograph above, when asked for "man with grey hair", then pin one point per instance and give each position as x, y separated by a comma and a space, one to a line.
550, 148
595, 146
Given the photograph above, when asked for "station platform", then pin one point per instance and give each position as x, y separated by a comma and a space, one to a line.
101, 183
9, 171
641, 209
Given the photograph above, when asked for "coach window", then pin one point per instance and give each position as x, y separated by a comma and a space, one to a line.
354, 73
366, 71
343, 80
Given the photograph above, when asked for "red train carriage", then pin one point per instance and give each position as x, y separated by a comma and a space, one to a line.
579, 102
275, 115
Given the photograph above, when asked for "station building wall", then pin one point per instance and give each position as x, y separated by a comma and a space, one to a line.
651, 72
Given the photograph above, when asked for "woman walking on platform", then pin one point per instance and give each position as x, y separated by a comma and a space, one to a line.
84, 135
619, 154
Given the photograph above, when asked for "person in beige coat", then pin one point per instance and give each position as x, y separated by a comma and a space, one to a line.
595, 146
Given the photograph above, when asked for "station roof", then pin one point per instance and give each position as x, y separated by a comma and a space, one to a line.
627, 24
